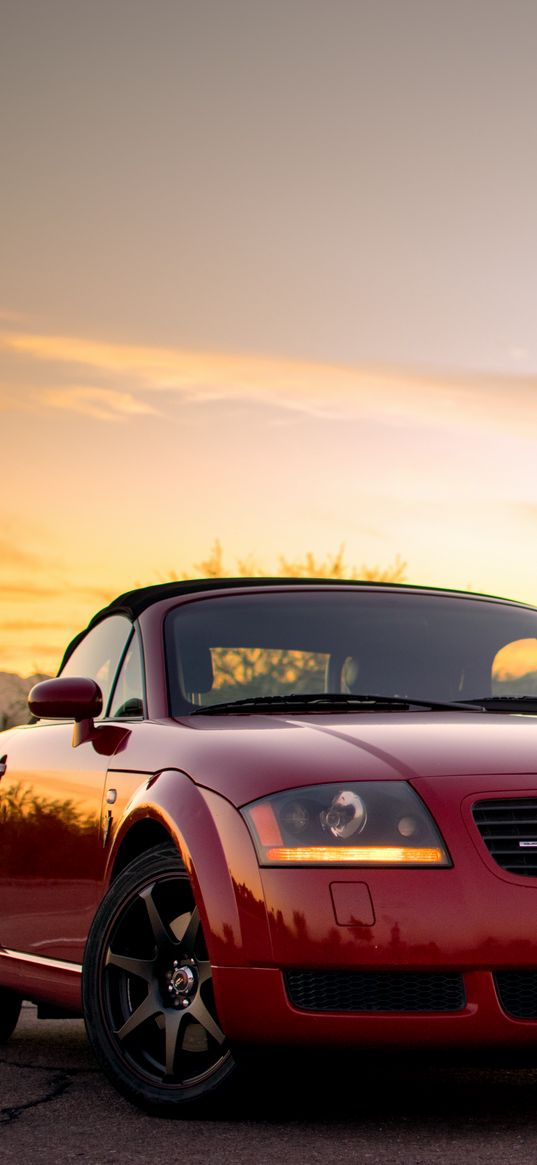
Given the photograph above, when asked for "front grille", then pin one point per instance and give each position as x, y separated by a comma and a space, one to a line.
375, 991
508, 827
517, 992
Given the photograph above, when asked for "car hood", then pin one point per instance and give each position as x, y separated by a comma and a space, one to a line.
248, 756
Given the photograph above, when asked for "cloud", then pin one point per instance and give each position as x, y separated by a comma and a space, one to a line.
34, 625
12, 555
522, 511
28, 590
104, 404
15, 590
397, 396
26, 660
11, 402
10, 316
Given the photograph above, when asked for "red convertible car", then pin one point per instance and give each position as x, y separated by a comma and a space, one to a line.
275, 812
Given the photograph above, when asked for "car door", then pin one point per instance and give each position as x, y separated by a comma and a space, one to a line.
51, 840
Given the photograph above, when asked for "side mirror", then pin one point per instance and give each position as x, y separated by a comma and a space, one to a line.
72, 698
68, 698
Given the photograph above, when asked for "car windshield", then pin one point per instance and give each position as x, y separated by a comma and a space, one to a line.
406, 644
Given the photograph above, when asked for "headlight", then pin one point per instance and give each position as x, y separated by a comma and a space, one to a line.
365, 823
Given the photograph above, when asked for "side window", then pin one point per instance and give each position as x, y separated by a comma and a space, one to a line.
99, 654
128, 697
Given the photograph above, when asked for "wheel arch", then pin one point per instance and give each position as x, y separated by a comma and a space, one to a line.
171, 807
142, 835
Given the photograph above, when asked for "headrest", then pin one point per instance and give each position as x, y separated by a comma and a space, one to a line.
197, 666
349, 674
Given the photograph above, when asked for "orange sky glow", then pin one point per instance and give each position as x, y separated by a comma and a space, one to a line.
127, 462
268, 277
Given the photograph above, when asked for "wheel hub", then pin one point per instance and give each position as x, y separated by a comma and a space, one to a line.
182, 983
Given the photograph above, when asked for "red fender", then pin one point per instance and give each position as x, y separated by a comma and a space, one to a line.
219, 856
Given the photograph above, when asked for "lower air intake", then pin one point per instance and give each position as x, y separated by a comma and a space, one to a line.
402, 991
517, 993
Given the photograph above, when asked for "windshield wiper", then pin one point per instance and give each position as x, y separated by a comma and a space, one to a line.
314, 701
505, 703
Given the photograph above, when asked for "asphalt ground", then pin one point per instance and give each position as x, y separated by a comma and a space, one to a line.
56, 1106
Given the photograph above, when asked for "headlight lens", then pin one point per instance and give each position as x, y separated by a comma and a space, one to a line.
362, 823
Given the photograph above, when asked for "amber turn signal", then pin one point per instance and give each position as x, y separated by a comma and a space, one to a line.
383, 854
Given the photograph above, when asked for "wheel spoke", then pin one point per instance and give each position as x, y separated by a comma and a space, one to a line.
204, 972
156, 922
141, 968
149, 1008
204, 1017
178, 925
173, 1021
187, 934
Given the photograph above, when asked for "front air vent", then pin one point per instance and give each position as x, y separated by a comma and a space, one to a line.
517, 992
508, 827
403, 991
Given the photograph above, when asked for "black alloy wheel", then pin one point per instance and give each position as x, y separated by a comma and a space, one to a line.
147, 991
10, 1006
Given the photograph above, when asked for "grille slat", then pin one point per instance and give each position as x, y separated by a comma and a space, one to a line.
355, 991
503, 824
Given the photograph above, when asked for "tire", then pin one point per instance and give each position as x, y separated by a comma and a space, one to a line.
147, 991
10, 1007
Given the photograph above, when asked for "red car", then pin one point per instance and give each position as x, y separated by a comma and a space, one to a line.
275, 812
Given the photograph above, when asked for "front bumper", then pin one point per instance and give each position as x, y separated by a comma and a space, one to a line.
253, 1007
408, 925
473, 921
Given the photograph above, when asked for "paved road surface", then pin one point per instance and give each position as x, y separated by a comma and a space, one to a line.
55, 1106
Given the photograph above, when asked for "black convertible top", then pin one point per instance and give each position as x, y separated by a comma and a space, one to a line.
132, 603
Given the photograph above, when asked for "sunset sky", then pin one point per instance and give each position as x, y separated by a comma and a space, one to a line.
269, 276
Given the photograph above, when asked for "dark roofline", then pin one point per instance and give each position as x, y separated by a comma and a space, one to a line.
132, 603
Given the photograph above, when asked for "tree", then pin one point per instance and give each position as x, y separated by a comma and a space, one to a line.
331, 566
